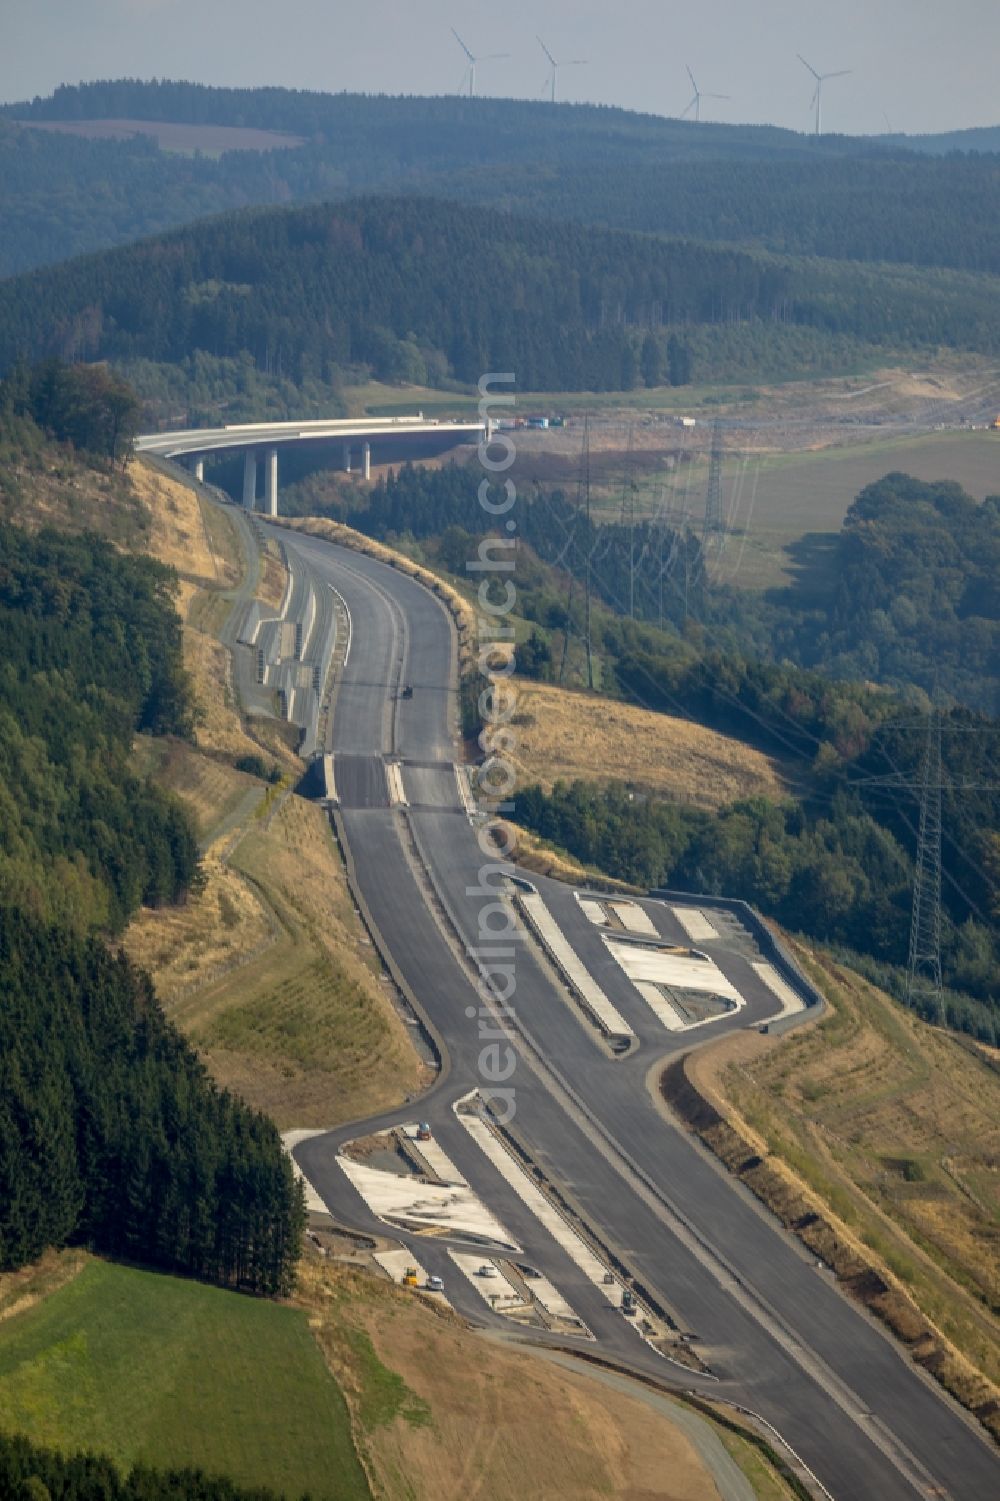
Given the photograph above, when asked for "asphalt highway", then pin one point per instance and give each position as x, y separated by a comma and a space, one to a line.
776, 1333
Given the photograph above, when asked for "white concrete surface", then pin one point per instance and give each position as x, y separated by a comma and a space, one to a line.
434, 1155
544, 1211
791, 1001
406, 1201
552, 1300
395, 1263
633, 918
497, 1292
202, 440
698, 927
685, 970
572, 968
290, 1139
666, 1013
464, 790
394, 782
593, 911
649, 969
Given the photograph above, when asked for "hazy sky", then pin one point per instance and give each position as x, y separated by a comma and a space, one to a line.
923, 64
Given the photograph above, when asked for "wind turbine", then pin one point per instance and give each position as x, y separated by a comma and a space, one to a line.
470, 73
820, 78
573, 62
698, 97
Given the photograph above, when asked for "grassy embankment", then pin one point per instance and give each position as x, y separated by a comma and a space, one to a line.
149, 1368
267, 968
877, 1138
484, 1419
565, 735
157, 1370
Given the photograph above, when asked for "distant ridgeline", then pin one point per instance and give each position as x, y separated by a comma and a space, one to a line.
417, 290
111, 1133
841, 197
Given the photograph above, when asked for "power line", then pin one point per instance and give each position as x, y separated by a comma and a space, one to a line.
713, 537
590, 550
923, 972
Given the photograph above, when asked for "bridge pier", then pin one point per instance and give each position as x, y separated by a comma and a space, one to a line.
249, 479
271, 483
366, 460
198, 470
347, 457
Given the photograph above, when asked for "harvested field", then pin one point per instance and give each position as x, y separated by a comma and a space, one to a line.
439, 1412
878, 1137
208, 140
776, 500
564, 735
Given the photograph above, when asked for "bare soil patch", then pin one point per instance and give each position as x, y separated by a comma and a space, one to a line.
210, 140
477, 1419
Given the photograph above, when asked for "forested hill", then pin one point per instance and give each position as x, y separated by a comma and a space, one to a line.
111, 1133
436, 131
415, 289
837, 196
917, 212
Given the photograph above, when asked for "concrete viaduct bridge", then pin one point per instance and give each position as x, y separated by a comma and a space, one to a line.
393, 439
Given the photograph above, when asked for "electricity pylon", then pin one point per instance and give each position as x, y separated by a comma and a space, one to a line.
923, 975
713, 534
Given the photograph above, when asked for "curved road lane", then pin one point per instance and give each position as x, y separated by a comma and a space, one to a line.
774, 1327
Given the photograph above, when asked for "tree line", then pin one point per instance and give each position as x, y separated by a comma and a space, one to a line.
414, 287
111, 1132
88, 406
29, 1472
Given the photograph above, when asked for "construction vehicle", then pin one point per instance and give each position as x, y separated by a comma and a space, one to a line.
423, 1132
410, 1277
629, 1308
